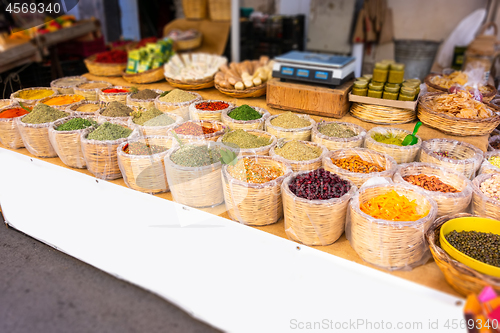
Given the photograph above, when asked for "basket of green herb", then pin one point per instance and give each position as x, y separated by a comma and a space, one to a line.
301, 155
337, 135
115, 112
153, 121
114, 94
245, 117
248, 142
390, 141
177, 101
65, 136
143, 98
290, 126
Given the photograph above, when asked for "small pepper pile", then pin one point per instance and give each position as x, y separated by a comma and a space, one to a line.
141, 148
114, 91
112, 57
212, 106
319, 184
13, 113
356, 164
248, 170
430, 183
393, 207
446, 154
194, 129
64, 100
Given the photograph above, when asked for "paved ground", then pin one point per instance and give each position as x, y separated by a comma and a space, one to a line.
43, 290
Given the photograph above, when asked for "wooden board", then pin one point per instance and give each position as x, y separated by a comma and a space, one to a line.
307, 98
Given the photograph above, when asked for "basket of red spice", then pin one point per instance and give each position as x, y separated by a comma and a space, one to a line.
200, 130
110, 63
9, 132
209, 110
114, 94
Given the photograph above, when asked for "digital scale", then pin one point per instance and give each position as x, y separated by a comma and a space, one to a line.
311, 67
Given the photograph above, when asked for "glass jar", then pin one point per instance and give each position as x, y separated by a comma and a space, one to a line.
360, 88
375, 89
391, 92
361, 78
396, 73
407, 94
368, 77
412, 84
380, 72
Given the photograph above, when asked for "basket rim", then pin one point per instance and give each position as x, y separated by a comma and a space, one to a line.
92, 58
244, 91
300, 129
54, 82
361, 134
259, 133
428, 81
136, 100
426, 149
100, 90
156, 155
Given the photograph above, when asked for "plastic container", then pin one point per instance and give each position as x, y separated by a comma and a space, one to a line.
391, 245
91, 94
9, 130
264, 150
483, 205
181, 109
142, 103
196, 114
67, 88
488, 167
72, 109
401, 154
380, 72
303, 133
396, 73
145, 130
333, 143
302, 165
220, 127
314, 222
447, 203
30, 102
257, 124
113, 97
62, 107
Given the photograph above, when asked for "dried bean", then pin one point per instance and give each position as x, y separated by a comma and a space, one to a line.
356, 164
319, 185
430, 183
491, 187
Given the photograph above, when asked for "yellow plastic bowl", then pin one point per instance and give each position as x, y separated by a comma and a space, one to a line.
478, 224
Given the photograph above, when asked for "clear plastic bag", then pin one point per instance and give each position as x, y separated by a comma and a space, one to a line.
303, 134
314, 222
255, 204
383, 160
143, 103
464, 157
113, 97
91, 94
258, 124
482, 204
220, 127
302, 165
157, 130
333, 143
181, 109
493, 139
30, 102
198, 187
487, 166
448, 203
62, 86
124, 121
62, 107
263, 151
196, 114
145, 173
9, 131
391, 245
94, 115
401, 154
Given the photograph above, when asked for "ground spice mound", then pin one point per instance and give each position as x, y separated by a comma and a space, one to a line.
116, 109
76, 124
250, 171
244, 140
357, 164
145, 94
42, 114
195, 156
152, 117
290, 120
194, 129
177, 96
298, 151
35, 93
142, 148
336, 131
393, 207
93, 85
244, 113
109, 132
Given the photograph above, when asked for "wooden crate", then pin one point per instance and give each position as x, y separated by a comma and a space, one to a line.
312, 99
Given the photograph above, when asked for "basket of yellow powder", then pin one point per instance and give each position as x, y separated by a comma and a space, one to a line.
62, 102
31, 96
252, 189
34, 129
177, 101
390, 141
337, 135
491, 163
85, 108
248, 142
301, 155
387, 223
154, 122
90, 89
290, 126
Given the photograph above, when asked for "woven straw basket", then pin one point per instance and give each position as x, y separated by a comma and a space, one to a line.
73, 107
383, 115
6, 102
463, 279
156, 130
220, 10
67, 89
68, 144
483, 205
191, 85
91, 94
448, 203
302, 134
142, 103
487, 167
149, 76
30, 102
263, 151
103, 69
196, 114
257, 91
314, 222
367, 155
62, 107
145, 173
431, 87
390, 244
181, 109
454, 125
401, 154
302, 165
101, 156
113, 97
195, 9
9, 131
220, 127
257, 124
333, 143
464, 157
198, 187
255, 204
36, 138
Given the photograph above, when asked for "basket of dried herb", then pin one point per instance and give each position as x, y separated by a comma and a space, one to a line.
290, 126
177, 101
337, 135
301, 155
115, 112
154, 122
143, 98
248, 142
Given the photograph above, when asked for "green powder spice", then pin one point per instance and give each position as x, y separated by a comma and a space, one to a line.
195, 156
145, 94
152, 117
109, 132
298, 151
43, 114
388, 138
290, 120
244, 140
336, 131
76, 124
178, 96
244, 112
116, 109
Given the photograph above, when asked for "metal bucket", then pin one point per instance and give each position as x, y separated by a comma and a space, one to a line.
417, 55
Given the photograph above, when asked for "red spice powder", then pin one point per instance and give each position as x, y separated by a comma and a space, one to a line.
112, 57
12, 113
212, 106
194, 129
114, 91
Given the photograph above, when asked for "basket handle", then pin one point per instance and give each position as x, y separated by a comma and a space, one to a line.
486, 26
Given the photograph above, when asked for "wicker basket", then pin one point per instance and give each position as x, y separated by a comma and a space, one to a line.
198, 186
220, 127
454, 125
157, 130
401, 154
195, 9
114, 97
483, 205
29, 102
103, 69
181, 109
142, 103
91, 94
145, 173
94, 115
255, 204
333, 143
6, 102
314, 222
368, 155
124, 121
263, 151
62, 107
302, 165
9, 131
448, 203
36, 138
382, 115
101, 157
257, 91
67, 89
68, 144
196, 114
220, 10
149, 76
192, 85
390, 244
302, 134
463, 279
464, 157
257, 124
431, 87
486, 166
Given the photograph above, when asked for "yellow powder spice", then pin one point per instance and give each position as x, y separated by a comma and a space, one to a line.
35, 93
